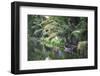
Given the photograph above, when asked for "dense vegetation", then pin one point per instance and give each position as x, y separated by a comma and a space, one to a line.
57, 37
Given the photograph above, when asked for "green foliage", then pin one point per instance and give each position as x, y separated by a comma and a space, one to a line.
48, 36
